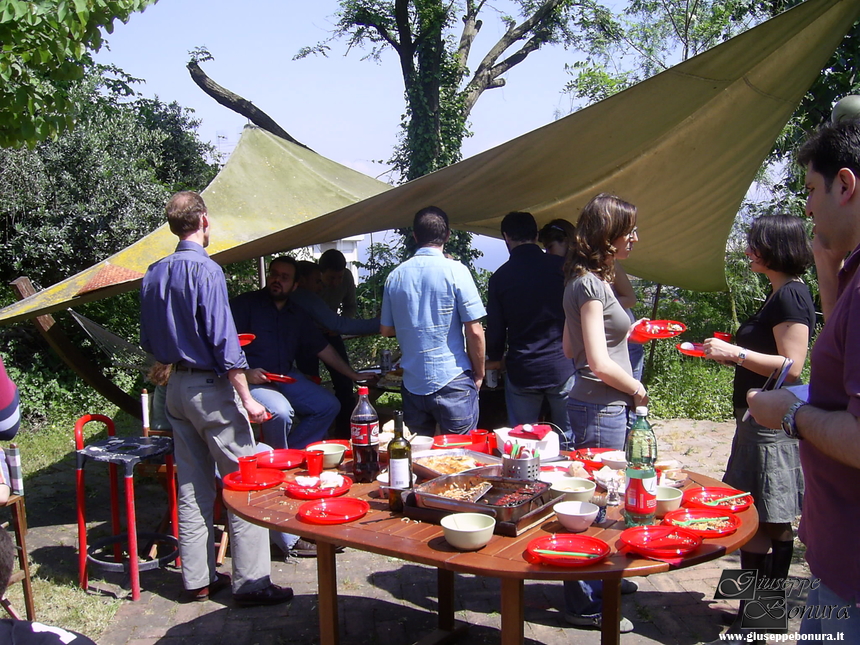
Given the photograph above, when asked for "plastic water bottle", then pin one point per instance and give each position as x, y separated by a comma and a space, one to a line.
640, 489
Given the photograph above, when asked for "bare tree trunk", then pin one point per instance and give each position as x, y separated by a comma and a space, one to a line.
238, 104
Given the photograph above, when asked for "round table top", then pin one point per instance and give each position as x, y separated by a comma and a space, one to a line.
386, 533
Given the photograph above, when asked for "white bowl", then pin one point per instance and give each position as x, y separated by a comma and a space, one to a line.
468, 531
573, 489
576, 516
420, 442
615, 459
332, 453
668, 499
553, 476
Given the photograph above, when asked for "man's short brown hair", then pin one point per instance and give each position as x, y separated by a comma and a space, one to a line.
184, 211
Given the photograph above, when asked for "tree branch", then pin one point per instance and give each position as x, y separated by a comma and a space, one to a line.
487, 74
471, 27
238, 104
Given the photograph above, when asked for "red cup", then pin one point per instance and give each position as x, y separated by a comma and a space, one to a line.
479, 440
248, 469
314, 460
722, 335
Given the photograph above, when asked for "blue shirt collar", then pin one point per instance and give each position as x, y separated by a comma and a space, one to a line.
188, 245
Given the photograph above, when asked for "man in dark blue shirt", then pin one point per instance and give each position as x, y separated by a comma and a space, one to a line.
284, 332
525, 311
185, 321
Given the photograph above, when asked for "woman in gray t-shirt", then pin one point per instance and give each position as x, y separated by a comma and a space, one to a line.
595, 337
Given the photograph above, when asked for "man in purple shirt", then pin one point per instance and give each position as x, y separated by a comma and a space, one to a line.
525, 321
185, 321
829, 424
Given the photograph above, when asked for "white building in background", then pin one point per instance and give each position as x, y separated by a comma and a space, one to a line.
348, 246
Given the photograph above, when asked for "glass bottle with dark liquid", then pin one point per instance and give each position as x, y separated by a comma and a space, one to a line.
364, 429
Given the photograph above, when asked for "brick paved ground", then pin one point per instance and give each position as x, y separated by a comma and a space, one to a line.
385, 600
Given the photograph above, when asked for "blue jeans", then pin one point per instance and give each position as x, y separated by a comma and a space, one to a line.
813, 623
583, 598
454, 407
597, 426
315, 405
524, 406
594, 426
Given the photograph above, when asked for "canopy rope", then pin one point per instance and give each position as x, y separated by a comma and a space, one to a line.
121, 352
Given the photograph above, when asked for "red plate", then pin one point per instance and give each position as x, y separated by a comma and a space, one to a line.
452, 441
266, 478
282, 458
590, 464
333, 511
657, 329
279, 378
304, 492
660, 541
342, 442
245, 339
696, 497
683, 514
569, 543
691, 349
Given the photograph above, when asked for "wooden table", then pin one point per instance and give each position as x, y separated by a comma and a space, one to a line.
393, 535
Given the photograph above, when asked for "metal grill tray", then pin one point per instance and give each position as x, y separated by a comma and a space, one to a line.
424, 472
427, 496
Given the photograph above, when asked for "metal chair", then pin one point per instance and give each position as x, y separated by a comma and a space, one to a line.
127, 452
19, 525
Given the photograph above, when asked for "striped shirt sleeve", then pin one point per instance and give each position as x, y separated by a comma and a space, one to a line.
10, 414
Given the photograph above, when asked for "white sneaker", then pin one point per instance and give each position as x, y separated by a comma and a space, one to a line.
596, 622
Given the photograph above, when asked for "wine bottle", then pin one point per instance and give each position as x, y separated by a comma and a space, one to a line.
399, 465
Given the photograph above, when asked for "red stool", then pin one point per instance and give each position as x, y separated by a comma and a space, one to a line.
128, 451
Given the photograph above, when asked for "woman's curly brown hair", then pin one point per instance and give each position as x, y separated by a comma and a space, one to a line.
603, 220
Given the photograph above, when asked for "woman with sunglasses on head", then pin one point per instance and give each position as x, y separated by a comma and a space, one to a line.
763, 461
595, 337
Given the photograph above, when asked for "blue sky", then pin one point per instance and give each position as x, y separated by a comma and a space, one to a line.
345, 108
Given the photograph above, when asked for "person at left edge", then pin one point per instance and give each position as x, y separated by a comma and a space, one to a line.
186, 322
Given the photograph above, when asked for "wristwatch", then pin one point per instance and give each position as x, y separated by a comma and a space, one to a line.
742, 356
789, 421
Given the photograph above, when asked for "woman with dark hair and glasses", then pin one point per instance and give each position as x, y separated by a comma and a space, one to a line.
764, 461
595, 337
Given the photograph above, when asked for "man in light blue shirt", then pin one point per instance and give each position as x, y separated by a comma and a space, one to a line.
429, 302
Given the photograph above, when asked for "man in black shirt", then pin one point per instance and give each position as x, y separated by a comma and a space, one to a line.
524, 311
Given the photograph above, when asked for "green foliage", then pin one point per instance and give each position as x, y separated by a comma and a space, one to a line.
689, 388
68, 203
45, 46
96, 189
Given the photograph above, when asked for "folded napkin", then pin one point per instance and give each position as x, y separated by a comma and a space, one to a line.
530, 431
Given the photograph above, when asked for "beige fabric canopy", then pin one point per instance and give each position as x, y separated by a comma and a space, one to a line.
684, 146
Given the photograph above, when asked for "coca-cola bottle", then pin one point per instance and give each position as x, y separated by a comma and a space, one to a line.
640, 494
364, 428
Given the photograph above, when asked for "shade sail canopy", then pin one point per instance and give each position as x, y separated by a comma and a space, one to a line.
684, 146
